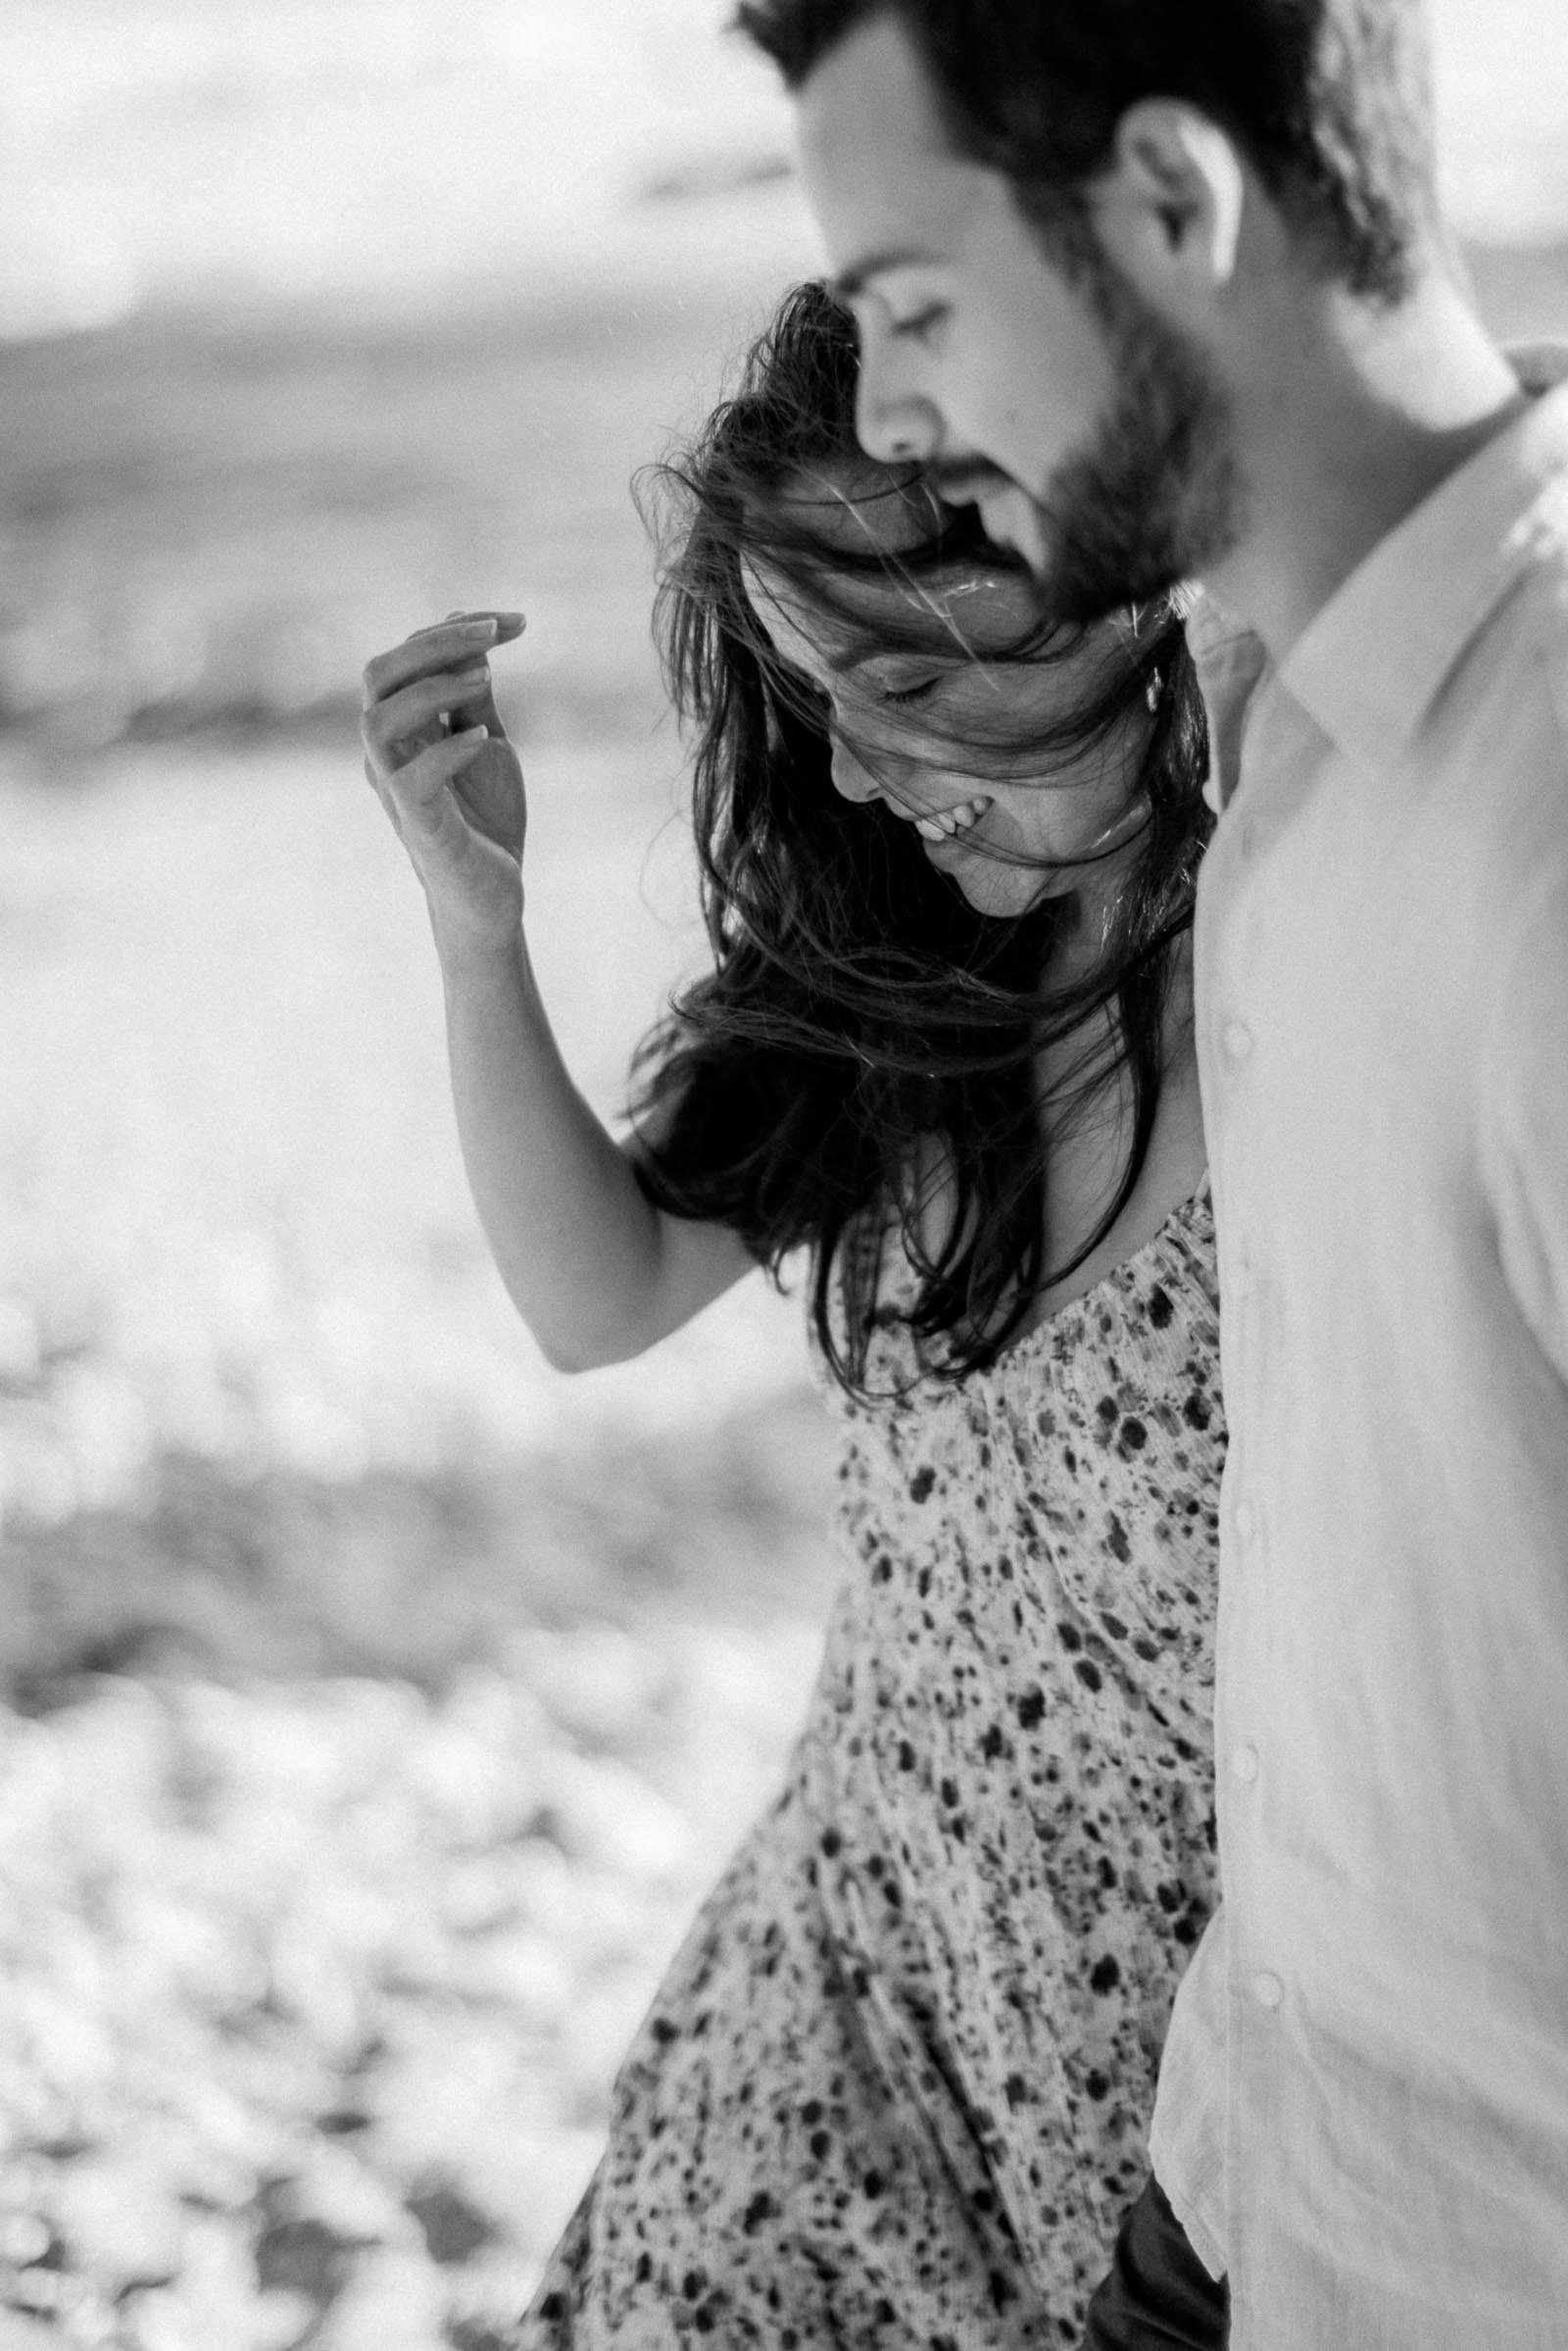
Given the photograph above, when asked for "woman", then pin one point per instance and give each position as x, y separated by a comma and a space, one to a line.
894, 2089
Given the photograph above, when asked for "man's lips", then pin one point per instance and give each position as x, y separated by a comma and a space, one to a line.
1007, 513
967, 485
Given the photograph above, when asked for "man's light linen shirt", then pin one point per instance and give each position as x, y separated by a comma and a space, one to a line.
1364, 2107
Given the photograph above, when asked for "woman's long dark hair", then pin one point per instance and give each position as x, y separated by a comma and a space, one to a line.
862, 1022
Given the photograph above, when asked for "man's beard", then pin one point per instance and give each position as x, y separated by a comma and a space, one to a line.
1155, 495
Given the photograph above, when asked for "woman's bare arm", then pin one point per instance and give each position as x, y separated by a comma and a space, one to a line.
595, 1270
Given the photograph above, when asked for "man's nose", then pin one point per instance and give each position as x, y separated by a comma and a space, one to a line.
894, 423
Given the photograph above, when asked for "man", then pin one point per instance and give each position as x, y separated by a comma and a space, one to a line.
1162, 284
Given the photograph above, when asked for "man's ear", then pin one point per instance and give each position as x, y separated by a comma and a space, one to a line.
1168, 207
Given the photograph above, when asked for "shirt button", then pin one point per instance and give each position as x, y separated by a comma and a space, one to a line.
1241, 1278
1244, 1761
1238, 1040
1245, 1521
1267, 1989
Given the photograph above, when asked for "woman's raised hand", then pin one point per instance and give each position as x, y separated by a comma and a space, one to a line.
437, 753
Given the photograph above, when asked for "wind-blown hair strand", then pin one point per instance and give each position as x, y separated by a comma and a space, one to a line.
864, 1034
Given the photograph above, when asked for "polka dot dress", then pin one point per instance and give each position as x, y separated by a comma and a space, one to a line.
896, 2086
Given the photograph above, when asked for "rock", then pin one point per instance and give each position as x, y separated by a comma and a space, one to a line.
277, 2321
38, 2290
343, 2121
218, 2296
158, 2320
523, 1971
454, 2229
118, 2225
21, 1357
18, 2332
24, 2238
395, 2303
616, 1820
339, 2188
304, 2257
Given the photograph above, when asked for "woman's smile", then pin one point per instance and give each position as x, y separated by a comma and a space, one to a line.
943, 825
1052, 820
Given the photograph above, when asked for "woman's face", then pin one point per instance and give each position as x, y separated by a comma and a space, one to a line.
926, 716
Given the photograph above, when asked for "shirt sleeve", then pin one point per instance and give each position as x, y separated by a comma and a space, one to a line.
1524, 1139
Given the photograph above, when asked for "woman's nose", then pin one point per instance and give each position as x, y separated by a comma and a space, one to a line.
850, 778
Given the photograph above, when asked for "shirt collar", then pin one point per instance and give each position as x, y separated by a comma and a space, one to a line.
1372, 659
1230, 660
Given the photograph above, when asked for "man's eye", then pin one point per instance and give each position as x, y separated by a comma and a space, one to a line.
921, 325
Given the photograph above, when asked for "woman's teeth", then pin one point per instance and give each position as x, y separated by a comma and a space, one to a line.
943, 823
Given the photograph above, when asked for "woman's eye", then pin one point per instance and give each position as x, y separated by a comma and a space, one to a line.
912, 692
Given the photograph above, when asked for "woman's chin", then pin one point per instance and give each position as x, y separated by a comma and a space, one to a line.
1002, 890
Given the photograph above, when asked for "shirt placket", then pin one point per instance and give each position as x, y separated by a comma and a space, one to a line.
1235, 1045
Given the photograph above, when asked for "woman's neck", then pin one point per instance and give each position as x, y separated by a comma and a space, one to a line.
1088, 918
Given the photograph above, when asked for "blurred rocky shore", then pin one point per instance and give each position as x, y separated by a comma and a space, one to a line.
379, 1704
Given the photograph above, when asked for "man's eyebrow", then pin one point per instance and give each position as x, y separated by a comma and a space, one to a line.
859, 275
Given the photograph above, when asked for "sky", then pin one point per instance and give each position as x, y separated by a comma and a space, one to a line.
242, 151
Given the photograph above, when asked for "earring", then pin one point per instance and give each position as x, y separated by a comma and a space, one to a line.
1152, 692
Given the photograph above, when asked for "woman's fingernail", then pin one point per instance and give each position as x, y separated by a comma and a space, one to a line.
483, 629
510, 620
469, 734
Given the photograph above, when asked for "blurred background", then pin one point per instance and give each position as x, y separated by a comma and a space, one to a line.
376, 1703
